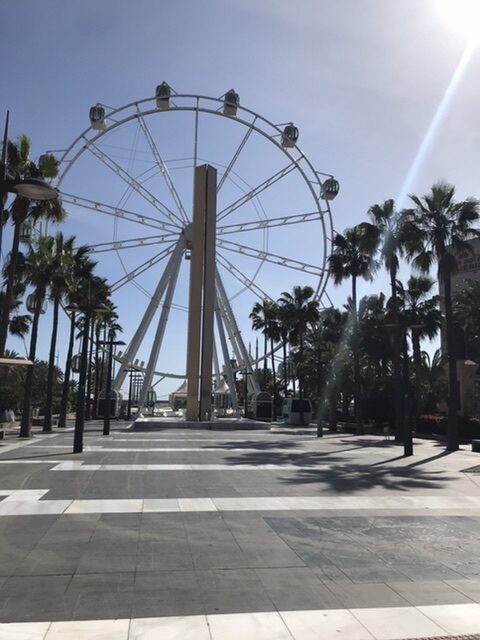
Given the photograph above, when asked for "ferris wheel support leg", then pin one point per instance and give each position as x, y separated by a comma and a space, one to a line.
236, 336
129, 355
216, 366
158, 340
201, 295
226, 358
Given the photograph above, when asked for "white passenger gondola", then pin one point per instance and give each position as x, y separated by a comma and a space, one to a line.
162, 95
231, 102
289, 136
97, 117
330, 189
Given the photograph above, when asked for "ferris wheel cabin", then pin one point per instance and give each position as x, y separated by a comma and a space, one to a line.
162, 95
289, 136
97, 118
231, 102
330, 189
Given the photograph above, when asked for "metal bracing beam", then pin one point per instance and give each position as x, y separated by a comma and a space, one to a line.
236, 273
116, 245
256, 190
160, 333
141, 268
131, 351
117, 212
236, 336
226, 354
268, 223
162, 166
274, 258
132, 183
216, 365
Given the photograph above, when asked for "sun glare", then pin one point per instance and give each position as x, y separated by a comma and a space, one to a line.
462, 16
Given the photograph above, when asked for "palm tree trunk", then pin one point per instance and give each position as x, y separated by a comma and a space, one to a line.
62, 420
453, 399
356, 362
397, 370
8, 299
97, 372
293, 372
417, 361
300, 377
285, 371
47, 421
320, 414
88, 409
274, 414
265, 343
26, 424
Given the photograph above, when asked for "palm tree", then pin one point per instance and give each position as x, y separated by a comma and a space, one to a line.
37, 272
302, 310
22, 210
261, 317
284, 328
352, 257
59, 286
389, 227
439, 228
81, 283
422, 316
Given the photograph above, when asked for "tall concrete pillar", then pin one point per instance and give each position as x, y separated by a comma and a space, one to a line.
201, 295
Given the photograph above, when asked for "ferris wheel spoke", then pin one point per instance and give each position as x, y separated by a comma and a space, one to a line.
117, 212
269, 223
282, 261
128, 277
161, 165
256, 190
132, 182
235, 156
131, 244
238, 275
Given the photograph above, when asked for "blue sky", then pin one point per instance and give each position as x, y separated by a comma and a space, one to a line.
362, 79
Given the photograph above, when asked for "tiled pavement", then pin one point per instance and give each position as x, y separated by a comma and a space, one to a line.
197, 534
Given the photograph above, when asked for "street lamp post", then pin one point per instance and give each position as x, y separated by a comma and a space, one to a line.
246, 373
407, 437
88, 311
129, 406
108, 385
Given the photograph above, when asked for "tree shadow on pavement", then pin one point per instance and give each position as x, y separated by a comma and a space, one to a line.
339, 475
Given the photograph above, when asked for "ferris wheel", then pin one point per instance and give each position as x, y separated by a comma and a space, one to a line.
127, 183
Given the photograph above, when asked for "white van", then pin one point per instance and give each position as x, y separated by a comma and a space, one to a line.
291, 411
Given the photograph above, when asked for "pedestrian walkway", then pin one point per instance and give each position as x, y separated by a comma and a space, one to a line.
245, 535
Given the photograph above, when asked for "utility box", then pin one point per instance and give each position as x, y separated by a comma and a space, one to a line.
115, 404
291, 411
261, 404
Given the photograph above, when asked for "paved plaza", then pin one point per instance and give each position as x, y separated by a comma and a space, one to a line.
199, 534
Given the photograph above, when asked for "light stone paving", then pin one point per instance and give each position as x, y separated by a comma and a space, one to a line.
29, 502
230, 553
387, 623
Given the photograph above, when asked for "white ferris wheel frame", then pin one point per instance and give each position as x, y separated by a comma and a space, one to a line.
174, 223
